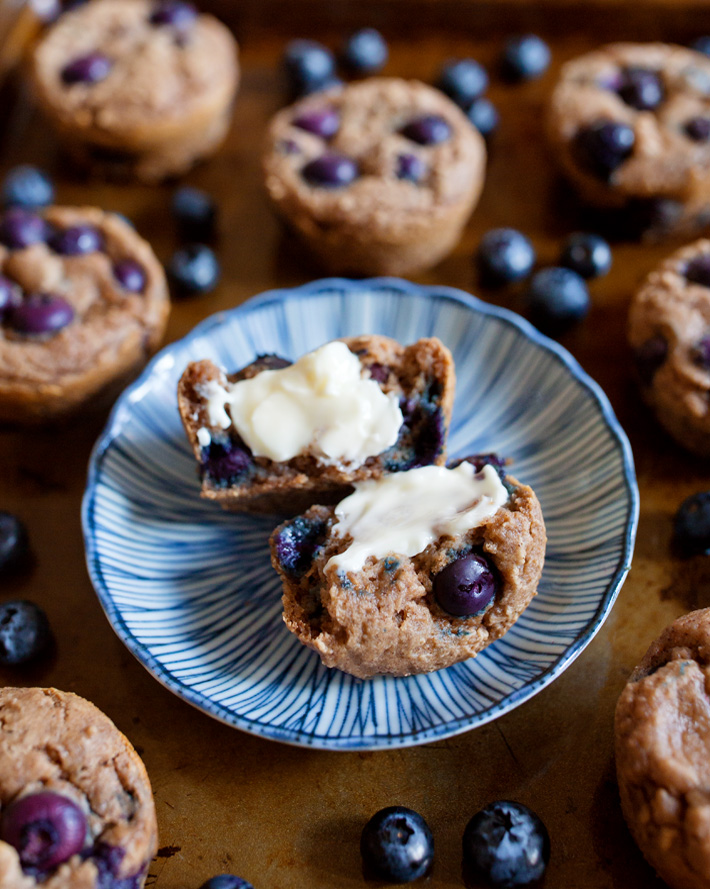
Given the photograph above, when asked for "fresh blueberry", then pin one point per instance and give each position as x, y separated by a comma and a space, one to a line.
331, 171
483, 114
226, 881
308, 65
649, 357
524, 58
604, 146
691, 525
478, 461
506, 845
296, 544
10, 296
195, 213
78, 240
364, 52
130, 275
46, 829
701, 353
194, 269
641, 88
24, 632
90, 68
463, 80
14, 543
557, 298
428, 129
19, 229
323, 122
698, 270
698, 129
701, 45
380, 373
410, 167
174, 13
397, 845
504, 255
27, 187
226, 463
329, 84
588, 255
269, 362
40, 313
466, 586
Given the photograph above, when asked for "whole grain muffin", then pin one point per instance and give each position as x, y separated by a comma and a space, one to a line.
630, 127
413, 572
662, 732
376, 178
76, 808
83, 302
669, 333
383, 408
137, 88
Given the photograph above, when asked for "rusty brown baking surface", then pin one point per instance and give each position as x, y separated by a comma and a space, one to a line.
287, 818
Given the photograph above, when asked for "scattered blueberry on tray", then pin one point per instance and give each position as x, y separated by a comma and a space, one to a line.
524, 58
25, 634
193, 269
226, 881
309, 66
463, 80
587, 254
195, 213
557, 298
483, 114
14, 543
397, 845
27, 186
691, 525
504, 255
364, 52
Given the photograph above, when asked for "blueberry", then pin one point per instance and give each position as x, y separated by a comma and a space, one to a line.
428, 129
24, 632
193, 269
40, 313
557, 298
308, 65
504, 255
524, 58
641, 88
649, 357
698, 129
195, 213
226, 881
10, 296
14, 543
463, 80
698, 270
270, 362
701, 353
19, 229
78, 240
410, 167
397, 845
364, 52
90, 68
28, 187
466, 586
701, 45
226, 463
506, 845
379, 372
329, 84
46, 829
130, 275
323, 122
478, 461
296, 544
483, 114
588, 255
174, 13
604, 146
331, 171
691, 525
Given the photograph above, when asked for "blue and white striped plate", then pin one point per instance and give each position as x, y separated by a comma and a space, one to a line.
190, 589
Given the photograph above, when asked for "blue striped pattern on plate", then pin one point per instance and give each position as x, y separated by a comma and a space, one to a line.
190, 589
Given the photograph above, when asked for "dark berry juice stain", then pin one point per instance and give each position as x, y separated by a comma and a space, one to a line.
168, 851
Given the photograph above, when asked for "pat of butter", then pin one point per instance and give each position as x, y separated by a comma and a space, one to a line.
321, 405
402, 513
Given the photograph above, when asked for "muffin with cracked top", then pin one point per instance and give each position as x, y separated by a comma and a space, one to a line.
76, 808
376, 178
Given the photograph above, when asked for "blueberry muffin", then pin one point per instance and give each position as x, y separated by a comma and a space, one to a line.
414, 571
669, 333
77, 810
376, 178
278, 437
83, 302
662, 733
630, 126
137, 88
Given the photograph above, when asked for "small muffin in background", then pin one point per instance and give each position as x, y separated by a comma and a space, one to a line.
77, 806
669, 334
83, 303
376, 178
137, 88
629, 125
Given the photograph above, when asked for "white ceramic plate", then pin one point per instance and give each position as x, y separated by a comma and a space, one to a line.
190, 589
